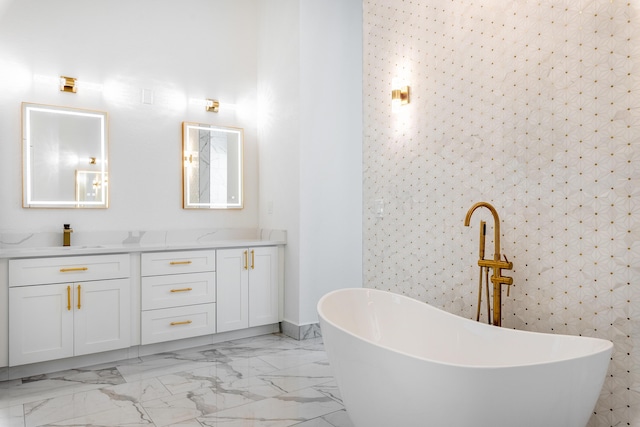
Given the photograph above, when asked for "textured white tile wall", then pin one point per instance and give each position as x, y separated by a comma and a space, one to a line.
533, 106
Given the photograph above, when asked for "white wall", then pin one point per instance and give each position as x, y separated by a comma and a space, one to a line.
293, 69
330, 150
279, 135
310, 96
179, 51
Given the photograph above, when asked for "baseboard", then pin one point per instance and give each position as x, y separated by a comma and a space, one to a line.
301, 332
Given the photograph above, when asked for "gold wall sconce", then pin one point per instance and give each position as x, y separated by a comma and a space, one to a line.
68, 84
399, 96
212, 106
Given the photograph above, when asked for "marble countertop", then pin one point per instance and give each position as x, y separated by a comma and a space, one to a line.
147, 242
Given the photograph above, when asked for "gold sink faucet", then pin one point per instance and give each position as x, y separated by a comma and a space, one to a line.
496, 264
66, 235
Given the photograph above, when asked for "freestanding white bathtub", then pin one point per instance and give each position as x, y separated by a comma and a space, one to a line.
401, 363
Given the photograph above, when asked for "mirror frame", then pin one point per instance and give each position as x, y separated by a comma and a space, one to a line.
28, 201
187, 156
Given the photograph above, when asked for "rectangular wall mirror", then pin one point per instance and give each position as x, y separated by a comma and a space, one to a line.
64, 157
212, 166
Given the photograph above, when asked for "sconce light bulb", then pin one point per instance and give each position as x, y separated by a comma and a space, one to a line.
395, 105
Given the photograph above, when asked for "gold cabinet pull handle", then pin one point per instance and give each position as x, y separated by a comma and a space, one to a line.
180, 263
246, 260
68, 298
182, 290
78, 297
185, 322
67, 270
253, 259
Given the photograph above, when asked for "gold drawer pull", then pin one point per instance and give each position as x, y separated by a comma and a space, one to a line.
79, 297
246, 260
253, 259
68, 298
180, 262
67, 270
185, 322
182, 290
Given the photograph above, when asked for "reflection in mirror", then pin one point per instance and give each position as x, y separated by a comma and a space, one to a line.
212, 166
89, 186
64, 157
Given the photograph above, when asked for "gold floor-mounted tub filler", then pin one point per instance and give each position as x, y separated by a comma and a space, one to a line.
496, 264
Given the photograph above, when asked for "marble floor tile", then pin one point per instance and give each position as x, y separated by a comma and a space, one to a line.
130, 416
293, 357
41, 390
300, 376
158, 367
339, 419
240, 373
12, 416
330, 389
40, 387
270, 380
281, 411
73, 406
138, 391
316, 422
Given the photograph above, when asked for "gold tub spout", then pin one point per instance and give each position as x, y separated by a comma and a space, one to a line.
496, 225
496, 264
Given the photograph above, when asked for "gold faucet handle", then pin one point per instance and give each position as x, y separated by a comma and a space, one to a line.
505, 280
491, 263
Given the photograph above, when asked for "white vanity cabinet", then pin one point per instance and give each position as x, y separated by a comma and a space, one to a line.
178, 295
68, 306
247, 288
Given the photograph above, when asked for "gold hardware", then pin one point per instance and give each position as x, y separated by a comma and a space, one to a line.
185, 322
246, 260
212, 106
68, 84
400, 95
68, 298
67, 270
496, 264
180, 262
182, 290
78, 297
483, 231
92, 160
253, 259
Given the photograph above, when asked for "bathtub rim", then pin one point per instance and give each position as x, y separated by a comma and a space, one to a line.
605, 346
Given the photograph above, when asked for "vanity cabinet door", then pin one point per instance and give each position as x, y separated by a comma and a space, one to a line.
263, 286
247, 288
232, 289
41, 322
102, 316
50, 322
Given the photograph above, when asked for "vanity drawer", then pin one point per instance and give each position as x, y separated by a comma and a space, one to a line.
178, 289
34, 271
159, 263
169, 324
